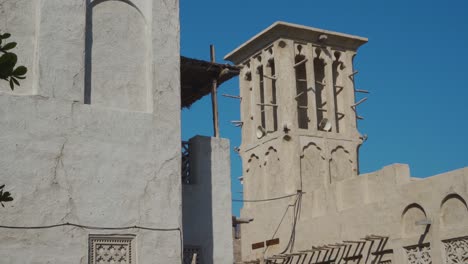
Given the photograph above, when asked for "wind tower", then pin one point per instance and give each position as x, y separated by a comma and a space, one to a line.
299, 131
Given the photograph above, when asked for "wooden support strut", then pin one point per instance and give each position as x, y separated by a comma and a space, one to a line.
361, 91
300, 63
354, 73
269, 77
265, 104
232, 96
214, 98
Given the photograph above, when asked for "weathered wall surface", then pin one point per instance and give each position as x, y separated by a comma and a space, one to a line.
97, 165
387, 202
207, 202
306, 76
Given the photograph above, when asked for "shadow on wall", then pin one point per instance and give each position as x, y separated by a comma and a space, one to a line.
412, 214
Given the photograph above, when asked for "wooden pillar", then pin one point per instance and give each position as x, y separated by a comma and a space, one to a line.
214, 97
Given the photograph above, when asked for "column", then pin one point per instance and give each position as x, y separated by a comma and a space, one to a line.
349, 95
248, 129
287, 107
256, 86
312, 111
268, 90
328, 88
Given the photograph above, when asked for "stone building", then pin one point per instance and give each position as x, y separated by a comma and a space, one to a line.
90, 143
300, 153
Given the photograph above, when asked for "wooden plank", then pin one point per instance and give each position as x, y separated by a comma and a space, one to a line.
272, 242
258, 245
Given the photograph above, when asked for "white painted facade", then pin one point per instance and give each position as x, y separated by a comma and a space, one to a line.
92, 136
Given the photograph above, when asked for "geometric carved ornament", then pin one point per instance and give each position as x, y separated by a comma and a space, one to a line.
111, 249
419, 254
456, 250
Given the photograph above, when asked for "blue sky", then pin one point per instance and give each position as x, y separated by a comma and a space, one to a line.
415, 66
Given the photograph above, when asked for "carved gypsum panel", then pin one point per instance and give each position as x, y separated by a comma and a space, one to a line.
419, 254
190, 253
111, 249
456, 250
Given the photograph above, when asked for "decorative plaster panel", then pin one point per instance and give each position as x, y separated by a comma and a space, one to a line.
456, 250
419, 254
111, 249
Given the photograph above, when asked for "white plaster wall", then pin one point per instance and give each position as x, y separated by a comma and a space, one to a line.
60, 50
118, 45
65, 161
68, 162
207, 202
21, 23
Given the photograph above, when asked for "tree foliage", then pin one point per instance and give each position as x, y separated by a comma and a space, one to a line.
4, 196
8, 70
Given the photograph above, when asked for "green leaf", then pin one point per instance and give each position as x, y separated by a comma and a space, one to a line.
7, 63
9, 46
12, 85
15, 81
20, 77
21, 70
5, 36
9, 58
1, 187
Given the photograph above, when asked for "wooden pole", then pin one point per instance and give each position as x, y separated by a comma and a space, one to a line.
214, 97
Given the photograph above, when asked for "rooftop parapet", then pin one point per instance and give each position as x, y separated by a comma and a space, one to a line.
296, 32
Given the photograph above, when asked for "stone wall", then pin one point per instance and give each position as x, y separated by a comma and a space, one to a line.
84, 146
387, 202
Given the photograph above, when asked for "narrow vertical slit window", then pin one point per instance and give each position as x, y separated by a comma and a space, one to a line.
301, 92
274, 100
338, 92
319, 73
262, 95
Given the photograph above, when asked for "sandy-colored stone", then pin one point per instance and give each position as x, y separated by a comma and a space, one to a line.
313, 80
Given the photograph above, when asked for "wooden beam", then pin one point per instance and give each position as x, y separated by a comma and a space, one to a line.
214, 97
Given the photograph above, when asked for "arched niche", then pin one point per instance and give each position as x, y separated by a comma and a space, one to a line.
117, 56
312, 167
341, 165
252, 178
453, 212
274, 181
412, 214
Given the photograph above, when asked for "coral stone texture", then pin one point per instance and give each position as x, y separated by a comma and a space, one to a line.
299, 135
92, 136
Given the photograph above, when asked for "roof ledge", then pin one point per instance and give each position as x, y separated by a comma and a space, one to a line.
296, 32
